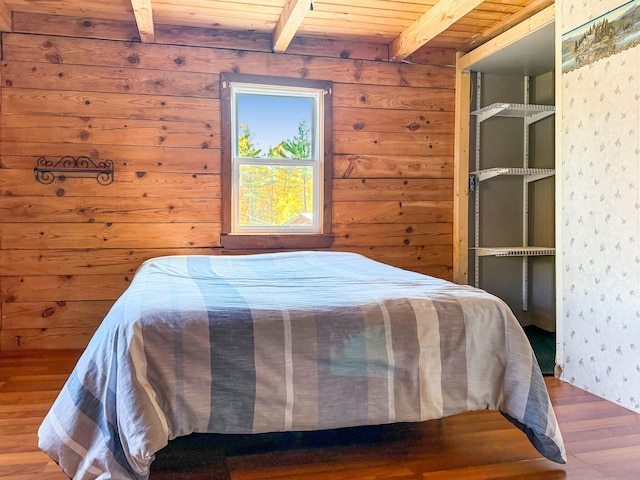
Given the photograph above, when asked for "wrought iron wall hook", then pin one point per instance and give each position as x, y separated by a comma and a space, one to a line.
46, 171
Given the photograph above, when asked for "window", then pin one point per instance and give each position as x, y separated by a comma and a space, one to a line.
276, 162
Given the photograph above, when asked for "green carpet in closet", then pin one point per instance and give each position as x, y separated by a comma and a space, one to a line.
544, 346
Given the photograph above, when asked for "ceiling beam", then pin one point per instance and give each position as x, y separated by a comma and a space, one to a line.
5, 17
431, 24
512, 20
144, 19
291, 18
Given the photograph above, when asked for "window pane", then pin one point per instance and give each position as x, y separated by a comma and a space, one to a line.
276, 195
275, 126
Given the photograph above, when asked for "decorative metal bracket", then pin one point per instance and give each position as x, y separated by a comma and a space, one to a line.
46, 171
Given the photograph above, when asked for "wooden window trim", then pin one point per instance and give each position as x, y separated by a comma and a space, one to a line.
274, 241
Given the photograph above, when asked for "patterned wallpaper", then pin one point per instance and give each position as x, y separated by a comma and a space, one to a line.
599, 218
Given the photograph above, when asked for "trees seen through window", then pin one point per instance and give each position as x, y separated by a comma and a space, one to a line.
276, 194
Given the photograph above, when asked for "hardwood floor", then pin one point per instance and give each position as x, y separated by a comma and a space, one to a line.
602, 439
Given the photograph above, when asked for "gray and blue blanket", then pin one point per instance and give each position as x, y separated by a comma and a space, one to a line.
287, 342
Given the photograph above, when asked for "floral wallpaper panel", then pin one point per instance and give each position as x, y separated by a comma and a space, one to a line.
600, 215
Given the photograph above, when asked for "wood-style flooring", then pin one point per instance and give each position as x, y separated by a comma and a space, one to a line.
602, 439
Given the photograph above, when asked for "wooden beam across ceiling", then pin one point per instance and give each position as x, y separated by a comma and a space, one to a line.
144, 19
5, 17
292, 16
431, 24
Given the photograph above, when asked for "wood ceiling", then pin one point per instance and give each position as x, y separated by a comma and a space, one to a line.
403, 25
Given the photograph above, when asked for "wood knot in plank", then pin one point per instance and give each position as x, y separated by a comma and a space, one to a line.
53, 58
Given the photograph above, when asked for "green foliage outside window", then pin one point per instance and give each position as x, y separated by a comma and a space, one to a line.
272, 192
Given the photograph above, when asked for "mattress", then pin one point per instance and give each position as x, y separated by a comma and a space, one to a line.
290, 341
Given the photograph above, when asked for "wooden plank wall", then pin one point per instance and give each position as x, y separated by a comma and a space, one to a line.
69, 249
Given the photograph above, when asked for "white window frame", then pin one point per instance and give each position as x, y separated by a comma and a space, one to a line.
285, 238
316, 161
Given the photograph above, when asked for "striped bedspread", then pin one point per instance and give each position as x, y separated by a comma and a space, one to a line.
287, 341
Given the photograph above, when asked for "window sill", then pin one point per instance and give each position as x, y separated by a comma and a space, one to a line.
270, 242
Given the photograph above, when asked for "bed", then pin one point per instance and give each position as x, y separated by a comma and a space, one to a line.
290, 341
